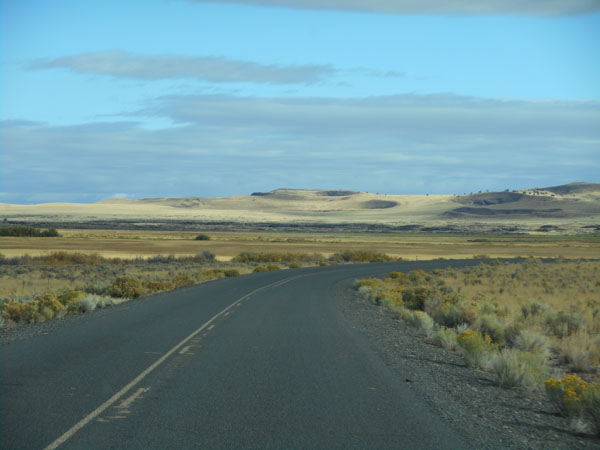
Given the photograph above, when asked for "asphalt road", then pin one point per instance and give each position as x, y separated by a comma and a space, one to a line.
260, 361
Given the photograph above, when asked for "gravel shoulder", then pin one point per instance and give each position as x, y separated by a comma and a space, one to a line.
470, 400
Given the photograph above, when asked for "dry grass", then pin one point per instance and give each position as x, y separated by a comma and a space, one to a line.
225, 245
530, 306
519, 321
27, 281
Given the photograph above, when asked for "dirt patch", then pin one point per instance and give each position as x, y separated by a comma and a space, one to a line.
338, 193
504, 212
378, 204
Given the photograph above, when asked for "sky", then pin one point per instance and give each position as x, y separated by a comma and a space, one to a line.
172, 98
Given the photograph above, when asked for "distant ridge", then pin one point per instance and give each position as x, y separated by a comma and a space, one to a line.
574, 188
572, 208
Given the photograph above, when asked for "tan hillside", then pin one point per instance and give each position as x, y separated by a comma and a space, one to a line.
574, 205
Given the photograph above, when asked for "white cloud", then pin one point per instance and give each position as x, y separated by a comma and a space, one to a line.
118, 63
409, 116
519, 7
234, 145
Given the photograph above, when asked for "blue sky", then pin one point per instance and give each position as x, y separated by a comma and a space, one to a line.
147, 98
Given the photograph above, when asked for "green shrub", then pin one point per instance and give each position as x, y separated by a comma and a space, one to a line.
398, 276
127, 287
48, 306
421, 321
210, 274
25, 231
359, 256
259, 269
532, 310
3, 302
591, 406
15, 311
184, 279
563, 324
517, 369
89, 303
580, 352
533, 342
202, 237
157, 286
489, 324
445, 338
281, 257
204, 257
294, 266
273, 267
448, 314
415, 298
476, 349
389, 297
417, 276
231, 273
97, 288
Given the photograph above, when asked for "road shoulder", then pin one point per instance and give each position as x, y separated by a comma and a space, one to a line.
471, 401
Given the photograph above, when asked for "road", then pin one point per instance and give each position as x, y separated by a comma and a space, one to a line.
260, 361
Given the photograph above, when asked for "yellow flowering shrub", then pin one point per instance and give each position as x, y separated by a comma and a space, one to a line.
476, 348
49, 301
566, 393
15, 311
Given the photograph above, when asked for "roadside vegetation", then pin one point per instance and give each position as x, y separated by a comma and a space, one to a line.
24, 231
38, 288
535, 326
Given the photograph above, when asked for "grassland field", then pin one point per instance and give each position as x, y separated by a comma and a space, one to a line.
23, 281
225, 245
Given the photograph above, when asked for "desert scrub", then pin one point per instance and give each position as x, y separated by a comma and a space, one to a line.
267, 268
517, 321
533, 341
228, 273
41, 308
581, 352
14, 311
421, 321
445, 338
476, 349
574, 397
360, 256
69, 277
50, 306
25, 231
91, 302
127, 287
517, 369
591, 406
492, 326
282, 257
63, 258
530, 306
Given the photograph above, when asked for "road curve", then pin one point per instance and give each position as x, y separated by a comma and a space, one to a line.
260, 361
